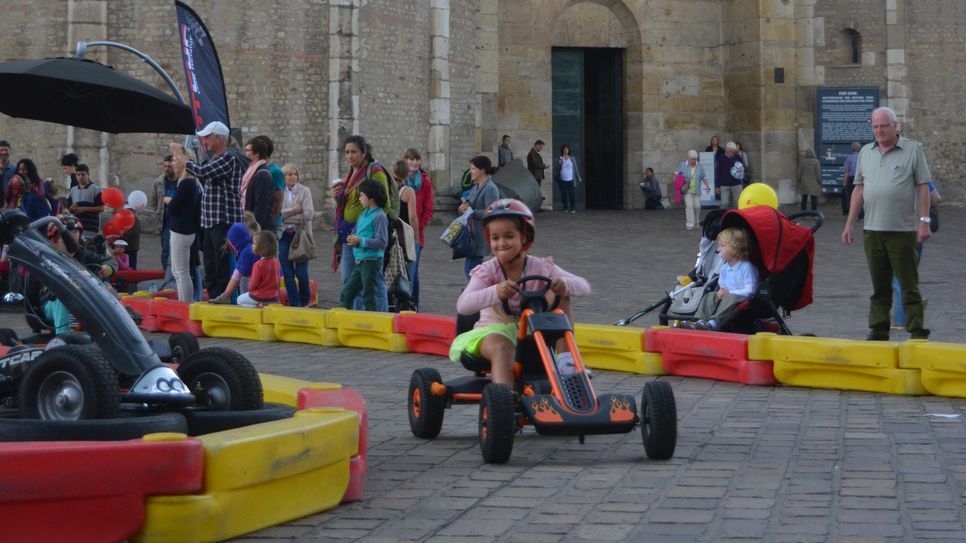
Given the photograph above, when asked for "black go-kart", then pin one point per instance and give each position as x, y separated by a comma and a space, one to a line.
110, 370
553, 401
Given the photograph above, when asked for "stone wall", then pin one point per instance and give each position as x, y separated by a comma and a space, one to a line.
450, 76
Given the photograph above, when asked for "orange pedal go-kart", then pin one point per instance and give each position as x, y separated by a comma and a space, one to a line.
555, 401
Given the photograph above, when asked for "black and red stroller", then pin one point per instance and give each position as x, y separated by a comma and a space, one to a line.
782, 250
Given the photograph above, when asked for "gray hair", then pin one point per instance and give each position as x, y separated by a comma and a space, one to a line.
888, 111
731, 145
692, 154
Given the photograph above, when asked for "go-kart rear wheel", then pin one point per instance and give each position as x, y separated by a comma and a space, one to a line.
659, 420
72, 382
222, 379
497, 423
425, 409
183, 345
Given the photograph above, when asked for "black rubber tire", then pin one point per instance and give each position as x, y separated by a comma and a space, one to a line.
425, 410
659, 420
116, 429
496, 424
183, 345
8, 337
204, 421
222, 380
77, 370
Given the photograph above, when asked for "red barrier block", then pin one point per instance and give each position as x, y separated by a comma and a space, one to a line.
168, 293
313, 293
428, 334
91, 491
711, 355
345, 398
173, 316
145, 307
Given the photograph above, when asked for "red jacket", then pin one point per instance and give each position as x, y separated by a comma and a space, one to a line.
424, 205
263, 285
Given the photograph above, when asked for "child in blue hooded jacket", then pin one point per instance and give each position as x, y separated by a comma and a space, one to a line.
240, 242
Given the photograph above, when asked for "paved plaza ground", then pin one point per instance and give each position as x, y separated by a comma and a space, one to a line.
752, 463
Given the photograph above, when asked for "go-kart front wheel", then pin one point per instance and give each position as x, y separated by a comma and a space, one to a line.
659, 420
183, 345
425, 409
71, 382
497, 423
222, 380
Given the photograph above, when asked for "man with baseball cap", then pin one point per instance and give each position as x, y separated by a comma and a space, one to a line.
221, 206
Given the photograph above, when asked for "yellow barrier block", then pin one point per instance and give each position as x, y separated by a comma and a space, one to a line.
841, 364
300, 325
202, 311
942, 366
366, 329
616, 348
231, 321
141, 294
260, 476
285, 390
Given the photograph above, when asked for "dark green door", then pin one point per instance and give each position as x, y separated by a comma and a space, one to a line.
588, 115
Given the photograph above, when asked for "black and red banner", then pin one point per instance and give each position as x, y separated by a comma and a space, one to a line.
202, 70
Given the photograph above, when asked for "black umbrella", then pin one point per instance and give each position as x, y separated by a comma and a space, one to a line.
87, 94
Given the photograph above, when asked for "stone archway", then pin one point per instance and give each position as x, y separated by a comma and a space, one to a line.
602, 25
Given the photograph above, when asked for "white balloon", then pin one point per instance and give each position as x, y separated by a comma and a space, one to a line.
137, 199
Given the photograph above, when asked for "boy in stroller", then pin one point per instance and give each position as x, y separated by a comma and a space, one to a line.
737, 280
780, 250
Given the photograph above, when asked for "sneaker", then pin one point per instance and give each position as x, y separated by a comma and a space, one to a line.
873, 336
221, 299
701, 325
565, 364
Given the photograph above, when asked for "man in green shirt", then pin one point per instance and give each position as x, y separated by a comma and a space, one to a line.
892, 184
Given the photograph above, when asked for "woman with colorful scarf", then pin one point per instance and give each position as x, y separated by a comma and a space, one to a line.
14, 195
257, 186
421, 184
348, 207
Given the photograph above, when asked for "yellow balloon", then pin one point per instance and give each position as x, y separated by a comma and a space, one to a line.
758, 194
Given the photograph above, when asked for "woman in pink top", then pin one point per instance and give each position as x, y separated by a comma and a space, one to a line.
510, 229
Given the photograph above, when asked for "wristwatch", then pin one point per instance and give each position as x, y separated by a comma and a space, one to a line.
925, 219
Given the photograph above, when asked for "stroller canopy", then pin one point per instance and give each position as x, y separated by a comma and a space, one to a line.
785, 253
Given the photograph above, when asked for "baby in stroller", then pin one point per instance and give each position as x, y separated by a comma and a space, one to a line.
736, 281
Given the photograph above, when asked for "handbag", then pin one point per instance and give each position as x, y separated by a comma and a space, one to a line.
459, 236
302, 248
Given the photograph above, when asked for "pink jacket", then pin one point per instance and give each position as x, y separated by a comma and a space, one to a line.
480, 294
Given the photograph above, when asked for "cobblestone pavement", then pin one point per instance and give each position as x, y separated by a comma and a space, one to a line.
752, 463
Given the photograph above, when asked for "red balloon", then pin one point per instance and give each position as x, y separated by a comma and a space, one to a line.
124, 218
112, 197
111, 228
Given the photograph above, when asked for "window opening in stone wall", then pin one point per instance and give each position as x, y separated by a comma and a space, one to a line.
852, 42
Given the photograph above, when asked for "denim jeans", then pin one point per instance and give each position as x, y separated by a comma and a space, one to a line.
898, 313
296, 274
346, 265
413, 270
165, 247
568, 195
181, 263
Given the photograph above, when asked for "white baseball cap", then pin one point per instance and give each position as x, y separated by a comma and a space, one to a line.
120, 243
216, 127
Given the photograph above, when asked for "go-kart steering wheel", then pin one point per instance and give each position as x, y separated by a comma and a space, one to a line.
533, 299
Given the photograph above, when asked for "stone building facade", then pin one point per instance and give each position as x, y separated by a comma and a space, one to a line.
450, 77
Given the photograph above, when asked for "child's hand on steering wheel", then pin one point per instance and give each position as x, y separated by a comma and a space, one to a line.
506, 289
558, 286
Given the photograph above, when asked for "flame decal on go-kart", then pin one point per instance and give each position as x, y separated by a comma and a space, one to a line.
544, 412
620, 410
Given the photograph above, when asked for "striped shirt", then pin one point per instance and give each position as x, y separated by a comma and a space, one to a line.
221, 178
